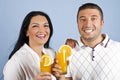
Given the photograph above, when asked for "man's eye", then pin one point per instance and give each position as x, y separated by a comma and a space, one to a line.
82, 20
93, 19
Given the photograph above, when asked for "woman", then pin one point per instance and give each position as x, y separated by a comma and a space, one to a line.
33, 42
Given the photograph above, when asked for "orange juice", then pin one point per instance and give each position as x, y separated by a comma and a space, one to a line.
63, 53
46, 63
62, 62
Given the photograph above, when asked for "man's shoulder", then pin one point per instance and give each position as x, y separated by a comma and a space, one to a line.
114, 43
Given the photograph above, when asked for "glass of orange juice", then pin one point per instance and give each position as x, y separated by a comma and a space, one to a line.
62, 62
62, 55
46, 63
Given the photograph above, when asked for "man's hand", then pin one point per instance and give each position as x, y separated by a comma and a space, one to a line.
71, 42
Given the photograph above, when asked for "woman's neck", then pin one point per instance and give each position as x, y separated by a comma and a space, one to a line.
37, 48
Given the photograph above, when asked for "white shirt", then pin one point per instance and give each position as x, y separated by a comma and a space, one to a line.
100, 63
24, 64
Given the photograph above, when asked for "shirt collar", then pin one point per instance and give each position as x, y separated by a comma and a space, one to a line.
103, 43
32, 51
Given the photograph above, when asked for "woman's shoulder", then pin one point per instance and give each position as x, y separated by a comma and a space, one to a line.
19, 55
49, 51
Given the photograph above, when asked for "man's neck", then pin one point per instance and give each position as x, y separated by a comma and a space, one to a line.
93, 43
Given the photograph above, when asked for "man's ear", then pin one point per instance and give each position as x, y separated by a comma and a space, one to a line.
102, 23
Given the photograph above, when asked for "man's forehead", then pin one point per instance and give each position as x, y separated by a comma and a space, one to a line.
89, 12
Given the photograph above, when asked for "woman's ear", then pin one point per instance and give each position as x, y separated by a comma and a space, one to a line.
27, 33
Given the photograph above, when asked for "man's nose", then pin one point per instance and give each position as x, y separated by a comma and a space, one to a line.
88, 22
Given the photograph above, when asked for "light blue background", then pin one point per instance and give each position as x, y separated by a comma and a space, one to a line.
63, 16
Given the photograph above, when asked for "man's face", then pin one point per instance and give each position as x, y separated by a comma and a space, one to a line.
90, 24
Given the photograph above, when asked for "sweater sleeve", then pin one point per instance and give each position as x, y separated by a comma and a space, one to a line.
13, 70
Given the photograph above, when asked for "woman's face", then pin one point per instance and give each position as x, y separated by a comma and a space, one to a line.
38, 30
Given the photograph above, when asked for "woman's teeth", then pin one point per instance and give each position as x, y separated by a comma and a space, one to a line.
41, 36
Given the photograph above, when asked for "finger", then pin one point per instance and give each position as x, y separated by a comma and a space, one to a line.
55, 60
47, 77
45, 74
57, 74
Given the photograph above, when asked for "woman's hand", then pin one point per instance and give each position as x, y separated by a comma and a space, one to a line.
56, 70
43, 76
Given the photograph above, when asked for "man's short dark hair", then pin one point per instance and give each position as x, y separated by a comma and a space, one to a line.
90, 6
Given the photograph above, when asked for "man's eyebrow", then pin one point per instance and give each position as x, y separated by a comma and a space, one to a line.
94, 16
81, 16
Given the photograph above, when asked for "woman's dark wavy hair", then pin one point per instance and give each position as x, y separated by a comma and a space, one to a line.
22, 36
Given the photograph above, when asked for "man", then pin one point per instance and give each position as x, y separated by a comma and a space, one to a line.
97, 56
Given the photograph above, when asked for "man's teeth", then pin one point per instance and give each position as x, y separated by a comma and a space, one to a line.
88, 31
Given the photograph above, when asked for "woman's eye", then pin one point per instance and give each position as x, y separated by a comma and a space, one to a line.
34, 26
46, 25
